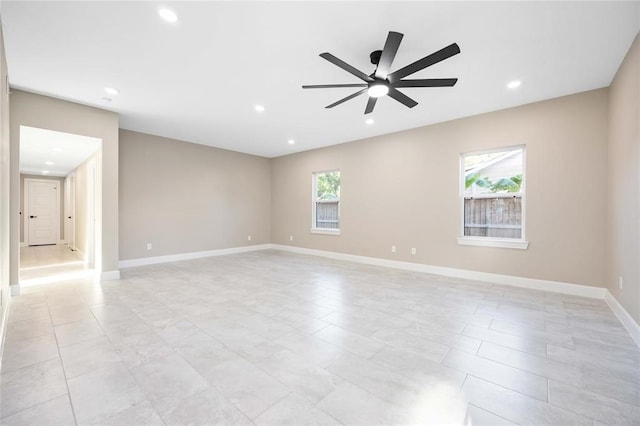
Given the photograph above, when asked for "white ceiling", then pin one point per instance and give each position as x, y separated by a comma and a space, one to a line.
66, 151
199, 79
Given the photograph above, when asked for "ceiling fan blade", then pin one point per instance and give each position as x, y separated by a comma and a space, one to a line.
351, 96
427, 82
388, 54
371, 104
427, 61
331, 86
345, 66
401, 97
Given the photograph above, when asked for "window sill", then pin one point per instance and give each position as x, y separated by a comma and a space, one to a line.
325, 231
494, 242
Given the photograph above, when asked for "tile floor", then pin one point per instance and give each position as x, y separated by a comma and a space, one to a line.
271, 338
42, 264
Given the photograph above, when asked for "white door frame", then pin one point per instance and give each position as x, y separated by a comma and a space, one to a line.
56, 215
70, 210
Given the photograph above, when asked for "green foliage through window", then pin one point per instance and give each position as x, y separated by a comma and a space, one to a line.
328, 186
475, 178
512, 184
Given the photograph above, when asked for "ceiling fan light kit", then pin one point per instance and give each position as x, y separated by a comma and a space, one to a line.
377, 90
383, 82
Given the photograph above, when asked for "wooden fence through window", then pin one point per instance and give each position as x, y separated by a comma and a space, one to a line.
499, 217
327, 215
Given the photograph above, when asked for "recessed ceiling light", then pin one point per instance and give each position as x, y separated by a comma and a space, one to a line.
514, 84
369, 121
168, 15
44, 172
49, 163
111, 91
291, 141
259, 108
105, 100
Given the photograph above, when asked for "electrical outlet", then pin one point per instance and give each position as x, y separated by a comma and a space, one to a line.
620, 282
413, 251
290, 237
149, 246
249, 238
393, 249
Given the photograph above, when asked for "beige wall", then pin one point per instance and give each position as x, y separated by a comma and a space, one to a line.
5, 185
402, 189
54, 114
81, 222
183, 197
623, 243
60, 193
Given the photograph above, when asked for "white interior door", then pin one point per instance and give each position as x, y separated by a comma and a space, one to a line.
70, 211
42, 212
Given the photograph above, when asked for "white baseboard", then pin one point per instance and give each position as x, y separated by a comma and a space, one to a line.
110, 275
3, 327
629, 323
193, 255
532, 283
15, 289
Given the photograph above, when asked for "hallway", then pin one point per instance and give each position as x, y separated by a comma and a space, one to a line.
46, 264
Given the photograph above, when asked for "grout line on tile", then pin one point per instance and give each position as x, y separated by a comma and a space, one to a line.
64, 371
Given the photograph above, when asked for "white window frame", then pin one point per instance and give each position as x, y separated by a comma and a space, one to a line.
512, 243
314, 192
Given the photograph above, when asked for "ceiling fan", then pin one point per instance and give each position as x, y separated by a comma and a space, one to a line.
383, 82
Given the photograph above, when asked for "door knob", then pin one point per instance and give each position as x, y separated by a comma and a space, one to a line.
32, 217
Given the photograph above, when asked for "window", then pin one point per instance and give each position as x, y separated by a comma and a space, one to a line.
492, 188
326, 203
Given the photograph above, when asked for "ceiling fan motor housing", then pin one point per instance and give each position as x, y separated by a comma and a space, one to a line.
375, 57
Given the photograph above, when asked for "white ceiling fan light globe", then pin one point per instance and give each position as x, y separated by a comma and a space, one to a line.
378, 90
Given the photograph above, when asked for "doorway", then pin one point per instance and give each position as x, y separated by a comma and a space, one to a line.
59, 177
